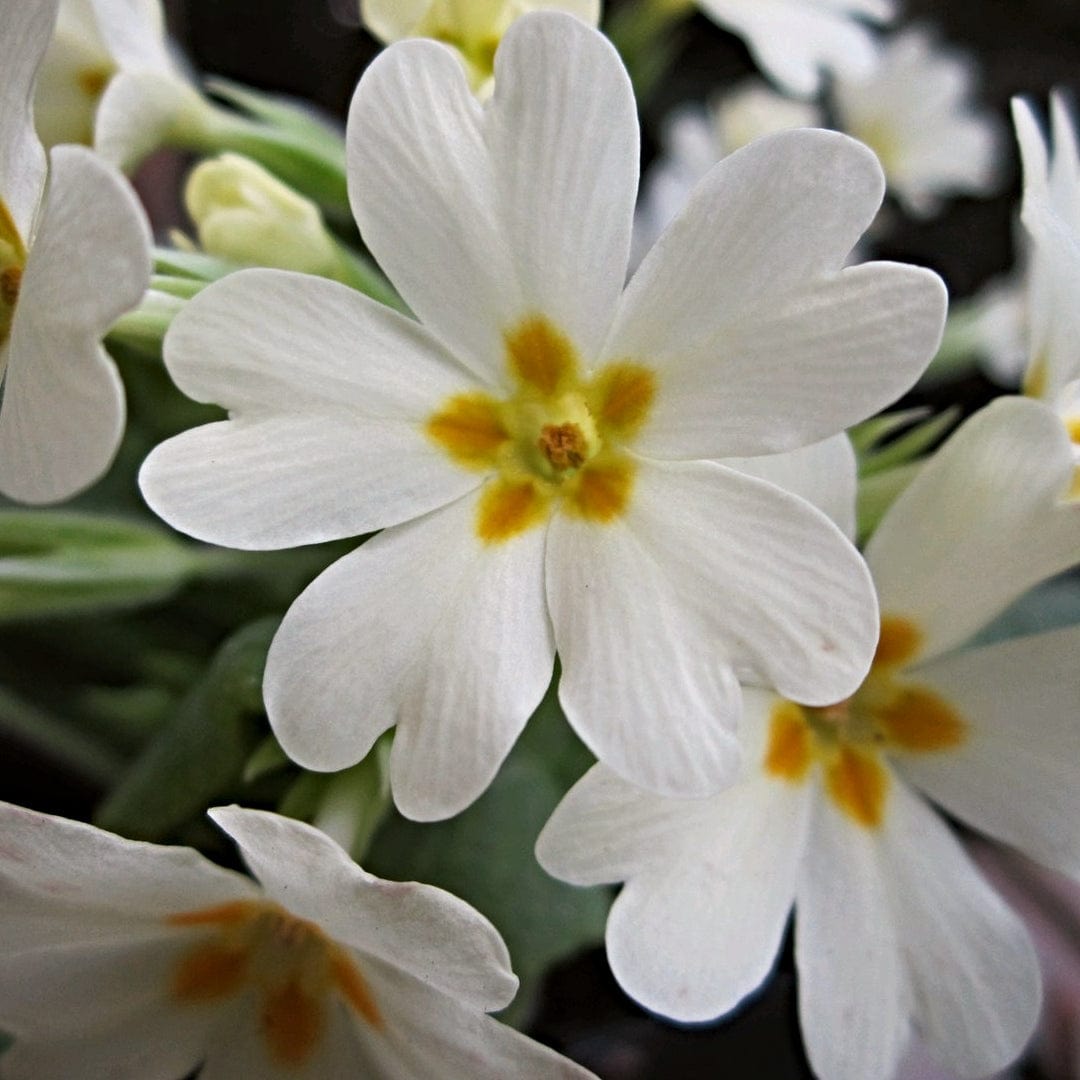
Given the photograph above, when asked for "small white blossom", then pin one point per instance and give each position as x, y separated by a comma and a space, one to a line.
129, 961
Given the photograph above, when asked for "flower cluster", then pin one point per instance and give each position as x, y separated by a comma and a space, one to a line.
525, 447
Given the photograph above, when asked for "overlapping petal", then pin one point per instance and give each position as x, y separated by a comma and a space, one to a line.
985, 509
651, 612
1016, 775
328, 393
425, 627
133, 31
420, 929
529, 199
63, 407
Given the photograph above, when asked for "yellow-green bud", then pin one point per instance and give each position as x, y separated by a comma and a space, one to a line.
245, 214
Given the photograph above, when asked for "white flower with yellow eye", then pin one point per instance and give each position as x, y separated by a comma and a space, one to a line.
473, 28
795, 42
913, 110
129, 961
535, 446
94, 40
74, 256
1051, 216
895, 930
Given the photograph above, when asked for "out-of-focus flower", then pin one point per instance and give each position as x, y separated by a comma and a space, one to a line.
895, 929
796, 41
244, 213
74, 256
128, 961
914, 111
535, 445
473, 28
695, 138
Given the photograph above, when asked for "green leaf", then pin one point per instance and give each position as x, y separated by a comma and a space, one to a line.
877, 493
485, 856
907, 447
1049, 606
62, 563
200, 753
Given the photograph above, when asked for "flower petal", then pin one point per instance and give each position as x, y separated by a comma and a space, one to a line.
134, 33
707, 569
980, 524
818, 360
426, 627
824, 473
530, 200
420, 929
63, 407
855, 999
328, 393
974, 972
391, 20
27, 29
1016, 775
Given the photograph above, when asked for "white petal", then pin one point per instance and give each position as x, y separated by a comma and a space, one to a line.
28, 25
76, 872
698, 930
328, 393
563, 136
134, 33
425, 627
63, 407
136, 113
418, 928
855, 999
817, 360
974, 971
1017, 774
529, 200
707, 569
824, 473
981, 523
794, 41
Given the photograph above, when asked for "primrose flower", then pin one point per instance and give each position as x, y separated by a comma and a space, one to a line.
535, 445
913, 111
473, 28
129, 960
74, 256
895, 929
795, 41
695, 138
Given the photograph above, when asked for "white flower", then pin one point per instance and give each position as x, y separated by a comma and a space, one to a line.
473, 28
913, 110
128, 961
695, 138
534, 446
795, 41
93, 41
74, 256
895, 929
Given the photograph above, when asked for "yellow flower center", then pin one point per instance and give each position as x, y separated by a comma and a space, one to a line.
473, 29
556, 441
292, 966
12, 261
848, 739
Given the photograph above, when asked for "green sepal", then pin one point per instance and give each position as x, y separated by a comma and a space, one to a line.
198, 757
877, 493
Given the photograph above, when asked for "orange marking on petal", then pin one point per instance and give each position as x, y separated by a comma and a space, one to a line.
210, 972
899, 643
509, 508
469, 429
354, 988
921, 721
623, 395
93, 80
1072, 426
858, 784
227, 914
789, 752
602, 491
540, 355
292, 1024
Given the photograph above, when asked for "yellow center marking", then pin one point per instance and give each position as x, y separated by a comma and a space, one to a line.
1035, 378
291, 964
93, 80
12, 261
557, 441
1072, 426
848, 739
